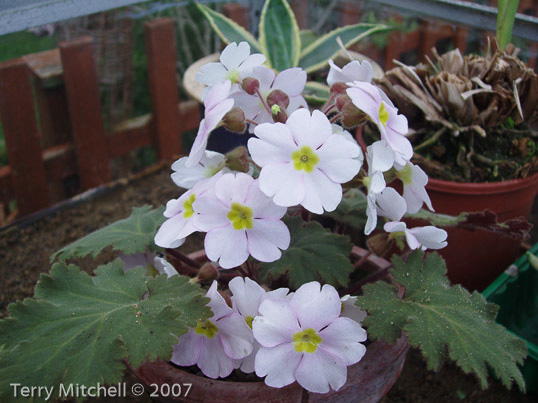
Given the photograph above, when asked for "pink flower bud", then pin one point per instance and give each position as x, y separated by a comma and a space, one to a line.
250, 85
234, 120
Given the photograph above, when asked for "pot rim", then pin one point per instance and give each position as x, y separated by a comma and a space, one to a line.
482, 188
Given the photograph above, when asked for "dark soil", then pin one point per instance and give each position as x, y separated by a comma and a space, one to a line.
25, 252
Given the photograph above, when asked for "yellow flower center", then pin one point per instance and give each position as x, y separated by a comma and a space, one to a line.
240, 216
306, 341
187, 206
304, 159
406, 174
233, 76
249, 320
207, 329
383, 114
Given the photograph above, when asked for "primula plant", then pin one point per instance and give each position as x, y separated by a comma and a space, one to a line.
280, 296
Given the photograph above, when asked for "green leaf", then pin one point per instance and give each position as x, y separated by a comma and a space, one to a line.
307, 37
506, 15
440, 319
316, 93
279, 35
314, 254
130, 235
352, 209
228, 30
80, 328
317, 55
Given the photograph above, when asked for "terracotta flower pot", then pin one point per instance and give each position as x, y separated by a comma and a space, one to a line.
476, 258
367, 381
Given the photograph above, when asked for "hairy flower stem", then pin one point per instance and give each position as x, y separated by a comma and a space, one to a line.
251, 122
361, 260
183, 258
336, 117
329, 109
264, 103
329, 104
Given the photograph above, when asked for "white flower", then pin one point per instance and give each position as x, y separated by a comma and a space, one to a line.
393, 127
240, 220
414, 180
391, 204
380, 158
247, 295
305, 339
303, 162
290, 81
211, 163
353, 71
216, 344
236, 62
217, 104
180, 214
428, 237
351, 310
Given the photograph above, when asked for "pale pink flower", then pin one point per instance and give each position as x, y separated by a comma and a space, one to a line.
304, 339
414, 180
236, 63
217, 344
351, 310
428, 237
392, 126
240, 221
211, 163
303, 161
353, 71
217, 104
247, 295
180, 214
150, 260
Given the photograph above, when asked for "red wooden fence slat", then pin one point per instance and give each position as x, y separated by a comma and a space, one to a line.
82, 88
163, 86
23, 140
237, 13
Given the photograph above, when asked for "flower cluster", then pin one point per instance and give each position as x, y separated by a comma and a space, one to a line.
285, 337
299, 161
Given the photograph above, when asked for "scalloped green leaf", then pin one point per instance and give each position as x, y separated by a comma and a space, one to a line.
317, 55
130, 235
314, 254
279, 35
228, 30
79, 328
316, 93
444, 321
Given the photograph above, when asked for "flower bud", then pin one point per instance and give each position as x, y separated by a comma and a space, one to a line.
251, 85
234, 120
341, 100
207, 273
339, 88
278, 97
237, 159
352, 116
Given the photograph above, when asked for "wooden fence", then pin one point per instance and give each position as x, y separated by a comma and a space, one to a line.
71, 125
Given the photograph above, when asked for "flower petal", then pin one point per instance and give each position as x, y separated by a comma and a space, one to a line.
227, 245
235, 335
213, 361
187, 350
265, 239
321, 193
337, 158
283, 182
234, 54
311, 130
342, 338
291, 81
277, 364
320, 371
276, 324
316, 308
167, 235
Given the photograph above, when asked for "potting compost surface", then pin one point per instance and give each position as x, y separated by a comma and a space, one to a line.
25, 252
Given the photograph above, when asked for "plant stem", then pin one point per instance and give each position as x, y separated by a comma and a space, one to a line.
251, 122
362, 260
183, 258
264, 103
431, 140
328, 103
336, 117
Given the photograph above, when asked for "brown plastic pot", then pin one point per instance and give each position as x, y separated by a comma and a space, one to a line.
475, 258
367, 381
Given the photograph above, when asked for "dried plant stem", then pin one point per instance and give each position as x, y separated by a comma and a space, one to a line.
183, 258
431, 140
